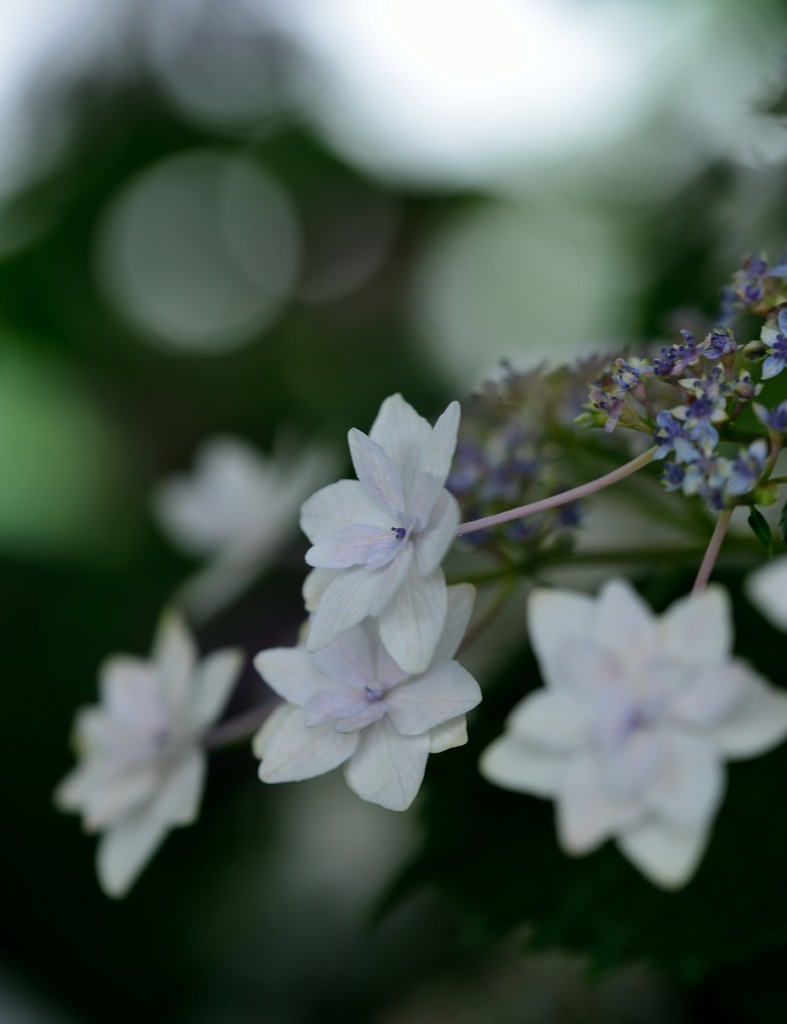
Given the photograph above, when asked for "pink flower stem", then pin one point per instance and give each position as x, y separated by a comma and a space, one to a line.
712, 551
242, 727
560, 499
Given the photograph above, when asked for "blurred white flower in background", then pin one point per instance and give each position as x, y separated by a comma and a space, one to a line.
351, 704
237, 508
142, 767
767, 588
636, 718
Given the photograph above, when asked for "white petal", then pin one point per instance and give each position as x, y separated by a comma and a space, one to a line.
174, 655
555, 617
689, 785
118, 793
442, 443
125, 849
213, 681
513, 763
623, 621
271, 724
550, 720
708, 694
352, 595
755, 724
432, 543
587, 813
177, 803
405, 436
376, 471
412, 622
315, 585
292, 751
448, 735
461, 598
339, 505
667, 855
697, 630
131, 693
443, 693
767, 589
387, 768
292, 673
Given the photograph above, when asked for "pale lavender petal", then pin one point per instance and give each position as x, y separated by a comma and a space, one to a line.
448, 735
555, 618
432, 543
697, 630
461, 598
667, 855
587, 813
120, 792
412, 622
689, 785
354, 594
377, 473
356, 545
551, 720
443, 693
631, 765
292, 673
772, 366
213, 681
292, 751
338, 505
125, 849
177, 802
368, 715
387, 768
329, 705
755, 724
513, 763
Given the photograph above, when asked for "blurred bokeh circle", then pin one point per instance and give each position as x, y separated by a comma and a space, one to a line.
199, 251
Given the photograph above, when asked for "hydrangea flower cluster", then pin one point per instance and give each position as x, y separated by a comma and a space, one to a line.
507, 455
690, 397
638, 714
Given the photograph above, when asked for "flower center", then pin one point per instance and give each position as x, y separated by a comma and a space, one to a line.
399, 532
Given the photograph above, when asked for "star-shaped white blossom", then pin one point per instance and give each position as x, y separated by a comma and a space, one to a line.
236, 509
636, 718
381, 537
767, 588
350, 703
142, 764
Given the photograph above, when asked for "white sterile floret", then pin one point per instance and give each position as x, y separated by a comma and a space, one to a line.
767, 588
378, 540
142, 766
350, 703
636, 718
236, 508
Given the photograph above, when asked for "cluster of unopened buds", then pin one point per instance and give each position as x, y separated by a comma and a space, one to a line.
637, 713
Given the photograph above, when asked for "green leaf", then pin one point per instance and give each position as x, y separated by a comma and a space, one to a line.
761, 529
783, 523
